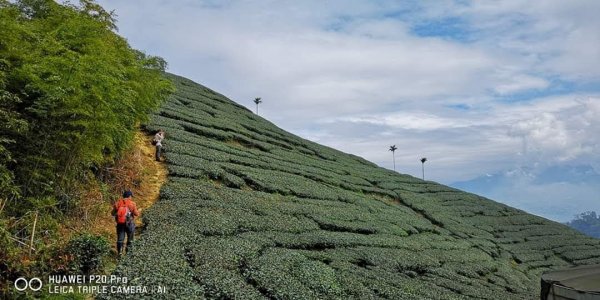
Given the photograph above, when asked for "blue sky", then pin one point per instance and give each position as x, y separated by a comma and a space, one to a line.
502, 97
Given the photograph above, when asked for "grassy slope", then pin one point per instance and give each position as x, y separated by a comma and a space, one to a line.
251, 211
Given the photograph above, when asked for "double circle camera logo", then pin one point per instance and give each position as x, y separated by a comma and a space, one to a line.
34, 284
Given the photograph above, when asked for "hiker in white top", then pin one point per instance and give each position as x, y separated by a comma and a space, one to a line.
158, 137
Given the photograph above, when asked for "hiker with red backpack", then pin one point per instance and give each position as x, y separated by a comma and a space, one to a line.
124, 211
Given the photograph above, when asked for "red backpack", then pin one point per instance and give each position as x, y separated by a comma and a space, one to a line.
123, 213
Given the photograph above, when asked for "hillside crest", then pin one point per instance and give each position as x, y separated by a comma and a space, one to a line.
251, 211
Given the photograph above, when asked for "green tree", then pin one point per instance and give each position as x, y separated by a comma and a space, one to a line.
12, 126
80, 87
257, 101
393, 149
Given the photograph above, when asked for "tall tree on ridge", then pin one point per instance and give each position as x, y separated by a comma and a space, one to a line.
257, 101
393, 148
423, 160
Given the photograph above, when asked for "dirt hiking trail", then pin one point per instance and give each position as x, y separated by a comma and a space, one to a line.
141, 173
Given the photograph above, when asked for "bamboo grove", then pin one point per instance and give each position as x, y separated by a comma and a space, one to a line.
72, 92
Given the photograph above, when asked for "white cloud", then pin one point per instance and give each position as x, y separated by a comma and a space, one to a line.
558, 37
406, 120
563, 135
465, 144
517, 83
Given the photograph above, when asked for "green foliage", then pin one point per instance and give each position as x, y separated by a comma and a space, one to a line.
253, 212
68, 84
88, 253
72, 93
12, 126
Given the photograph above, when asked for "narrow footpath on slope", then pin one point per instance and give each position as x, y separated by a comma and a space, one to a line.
155, 174
141, 173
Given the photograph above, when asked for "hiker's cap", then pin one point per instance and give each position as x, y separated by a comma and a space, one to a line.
127, 194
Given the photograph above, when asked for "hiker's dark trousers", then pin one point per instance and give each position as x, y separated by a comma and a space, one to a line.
158, 150
122, 229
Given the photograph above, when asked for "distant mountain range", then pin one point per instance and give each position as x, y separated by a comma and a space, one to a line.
587, 223
543, 191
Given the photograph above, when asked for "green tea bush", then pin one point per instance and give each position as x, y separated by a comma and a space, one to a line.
88, 253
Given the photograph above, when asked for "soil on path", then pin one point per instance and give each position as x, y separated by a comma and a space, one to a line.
154, 174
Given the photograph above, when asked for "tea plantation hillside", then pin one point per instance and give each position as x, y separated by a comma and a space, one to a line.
253, 212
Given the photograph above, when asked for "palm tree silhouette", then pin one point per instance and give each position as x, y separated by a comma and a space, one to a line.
393, 149
423, 160
257, 101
